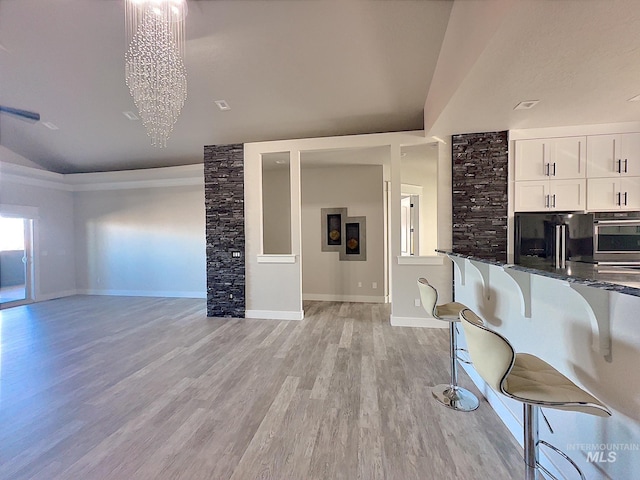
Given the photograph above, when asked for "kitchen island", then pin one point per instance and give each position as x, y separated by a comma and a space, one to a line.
586, 323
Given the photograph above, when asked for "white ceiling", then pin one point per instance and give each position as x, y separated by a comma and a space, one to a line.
307, 68
580, 58
288, 69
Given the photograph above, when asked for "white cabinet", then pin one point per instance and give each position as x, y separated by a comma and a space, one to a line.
550, 158
613, 155
621, 193
550, 195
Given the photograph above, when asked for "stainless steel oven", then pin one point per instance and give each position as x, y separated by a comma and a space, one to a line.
616, 238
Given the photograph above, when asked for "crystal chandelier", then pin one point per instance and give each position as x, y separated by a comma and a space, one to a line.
154, 69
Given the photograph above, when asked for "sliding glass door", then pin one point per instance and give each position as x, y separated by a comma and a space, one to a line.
15, 261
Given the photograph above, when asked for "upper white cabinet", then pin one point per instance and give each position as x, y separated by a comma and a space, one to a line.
550, 158
550, 195
613, 155
613, 194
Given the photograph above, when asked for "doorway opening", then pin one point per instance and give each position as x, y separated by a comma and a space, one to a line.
16, 276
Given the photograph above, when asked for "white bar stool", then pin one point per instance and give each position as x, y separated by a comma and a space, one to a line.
529, 380
451, 394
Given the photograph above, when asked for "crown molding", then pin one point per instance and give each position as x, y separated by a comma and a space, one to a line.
121, 180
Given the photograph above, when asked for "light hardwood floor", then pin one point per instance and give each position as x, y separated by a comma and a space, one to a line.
148, 388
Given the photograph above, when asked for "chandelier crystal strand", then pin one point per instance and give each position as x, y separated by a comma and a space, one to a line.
154, 69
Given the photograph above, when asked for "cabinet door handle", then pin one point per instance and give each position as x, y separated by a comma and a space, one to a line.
619, 198
619, 166
546, 201
546, 166
625, 198
554, 169
554, 200
625, 166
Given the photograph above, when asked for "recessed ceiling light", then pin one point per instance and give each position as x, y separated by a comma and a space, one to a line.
50, 125
634, 99
130, 115
223, 105
526, 105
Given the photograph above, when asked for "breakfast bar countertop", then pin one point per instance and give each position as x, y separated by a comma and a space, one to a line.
617, 279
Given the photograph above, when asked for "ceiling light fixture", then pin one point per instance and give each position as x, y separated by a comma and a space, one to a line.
634, 99
526, 105
154, 69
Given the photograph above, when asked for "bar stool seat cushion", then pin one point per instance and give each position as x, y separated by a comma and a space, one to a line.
449, 311
534, 381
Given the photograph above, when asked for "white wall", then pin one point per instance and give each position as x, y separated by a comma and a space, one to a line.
51, 204
360, 189
274, 290
436, 269
561, 333
143, 241
423, 171
138, 232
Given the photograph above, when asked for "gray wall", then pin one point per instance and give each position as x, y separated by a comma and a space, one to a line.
141, 241
224, 207
276, 203
479, 201
54, 244
360, 189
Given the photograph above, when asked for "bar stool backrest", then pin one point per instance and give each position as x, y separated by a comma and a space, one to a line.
428, 296
491, 354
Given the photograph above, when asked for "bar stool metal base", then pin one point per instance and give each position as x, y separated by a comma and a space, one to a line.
454, 397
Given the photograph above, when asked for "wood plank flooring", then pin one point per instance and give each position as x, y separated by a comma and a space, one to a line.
148, 388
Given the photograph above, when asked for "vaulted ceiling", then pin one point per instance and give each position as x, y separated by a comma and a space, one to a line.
308, 68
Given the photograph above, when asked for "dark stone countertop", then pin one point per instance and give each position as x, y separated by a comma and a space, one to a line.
615, 279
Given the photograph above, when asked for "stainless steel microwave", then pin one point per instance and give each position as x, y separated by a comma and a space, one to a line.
616, 238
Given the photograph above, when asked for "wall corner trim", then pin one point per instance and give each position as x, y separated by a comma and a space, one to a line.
421, 260
274, 315
279, 258
419, 322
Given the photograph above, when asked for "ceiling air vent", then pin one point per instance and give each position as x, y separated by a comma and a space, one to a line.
223, 105
526, 105
130, 115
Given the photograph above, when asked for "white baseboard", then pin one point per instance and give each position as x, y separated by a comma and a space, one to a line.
322, 297
418, 322
274, 314
52, 296
144, 293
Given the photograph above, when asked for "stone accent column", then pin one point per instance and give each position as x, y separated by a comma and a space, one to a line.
480, 162
224, 207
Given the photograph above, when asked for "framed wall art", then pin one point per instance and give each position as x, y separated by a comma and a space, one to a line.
332, 228
355, 245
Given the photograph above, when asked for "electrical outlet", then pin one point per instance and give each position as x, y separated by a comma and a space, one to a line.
417, 302
374, 285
